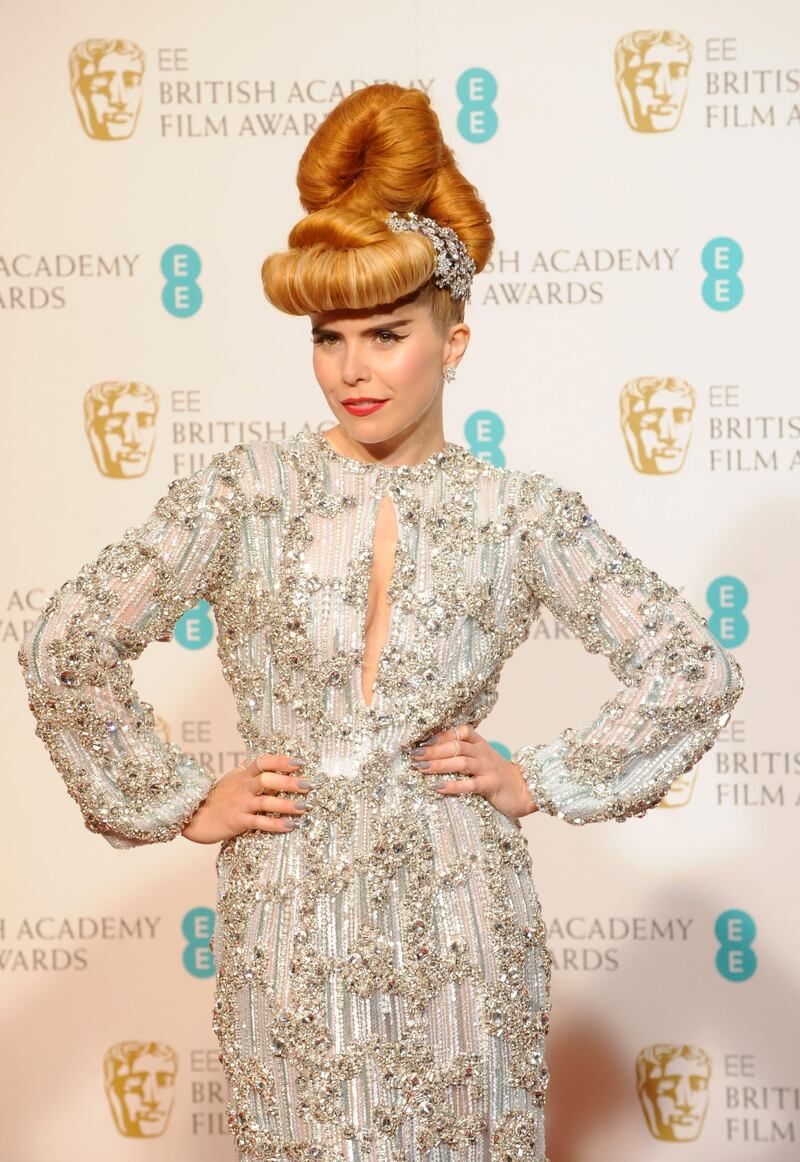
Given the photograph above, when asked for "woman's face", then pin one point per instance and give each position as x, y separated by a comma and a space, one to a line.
394, 355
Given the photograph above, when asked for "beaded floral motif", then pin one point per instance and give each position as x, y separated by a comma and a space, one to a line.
130, 785
679, 684
397, 962
383, 981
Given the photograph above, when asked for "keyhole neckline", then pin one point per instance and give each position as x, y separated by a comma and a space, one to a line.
440, 459
388, 637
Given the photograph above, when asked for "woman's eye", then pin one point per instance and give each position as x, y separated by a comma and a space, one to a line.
322, 340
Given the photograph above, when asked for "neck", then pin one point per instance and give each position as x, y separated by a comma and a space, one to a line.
411, 448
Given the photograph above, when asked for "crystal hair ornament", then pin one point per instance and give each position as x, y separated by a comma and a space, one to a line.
455, 269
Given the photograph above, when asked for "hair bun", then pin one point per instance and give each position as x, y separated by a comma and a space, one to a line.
380, 149
381, 146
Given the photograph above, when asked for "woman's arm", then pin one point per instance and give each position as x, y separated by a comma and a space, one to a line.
131, 787
679, 684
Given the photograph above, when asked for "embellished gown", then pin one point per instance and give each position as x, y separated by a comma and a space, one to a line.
382, 977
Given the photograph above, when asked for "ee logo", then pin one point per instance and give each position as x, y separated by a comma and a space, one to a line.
195, 629
735, 930
484, 432
722, 288
476, 89
180, 266
198, 928
727, 597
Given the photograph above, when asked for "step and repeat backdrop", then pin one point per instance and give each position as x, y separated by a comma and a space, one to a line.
635, 336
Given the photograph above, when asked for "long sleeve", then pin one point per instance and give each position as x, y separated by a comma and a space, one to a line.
679, 684
131, 786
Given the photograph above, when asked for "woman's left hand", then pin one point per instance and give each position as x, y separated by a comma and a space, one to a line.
492, 776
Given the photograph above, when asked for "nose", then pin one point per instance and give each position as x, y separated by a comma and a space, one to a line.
354, 366
664, 87
666, 427
130, 430
116, 92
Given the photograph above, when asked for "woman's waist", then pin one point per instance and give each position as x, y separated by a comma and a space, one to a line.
336, 757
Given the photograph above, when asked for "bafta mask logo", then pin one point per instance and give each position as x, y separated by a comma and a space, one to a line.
652, 74
105, 77
672, 1084
140, 1086
680, 791
162, 728
656, 418
120, 423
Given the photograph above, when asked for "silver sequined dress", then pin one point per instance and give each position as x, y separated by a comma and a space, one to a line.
382, 977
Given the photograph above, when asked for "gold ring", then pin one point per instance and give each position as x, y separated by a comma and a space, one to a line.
258, 761
457, 742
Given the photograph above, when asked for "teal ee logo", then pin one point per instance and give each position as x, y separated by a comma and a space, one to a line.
727, 597
722, 287
180, 266
484, 432
476, 89
195, 629
198, 928
735, 930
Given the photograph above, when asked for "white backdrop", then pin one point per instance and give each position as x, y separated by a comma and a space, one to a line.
647, 243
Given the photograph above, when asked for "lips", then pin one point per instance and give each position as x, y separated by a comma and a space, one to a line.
363, 407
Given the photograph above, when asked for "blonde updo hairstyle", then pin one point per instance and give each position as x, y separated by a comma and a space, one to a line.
380, 149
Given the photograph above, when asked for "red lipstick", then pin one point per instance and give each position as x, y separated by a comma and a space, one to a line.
363, 408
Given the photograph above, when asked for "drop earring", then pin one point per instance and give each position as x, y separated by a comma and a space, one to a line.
449, 373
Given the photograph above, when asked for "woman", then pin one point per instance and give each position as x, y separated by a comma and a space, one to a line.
383, 984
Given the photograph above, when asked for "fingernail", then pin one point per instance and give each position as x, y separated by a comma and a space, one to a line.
417, 750
305, 783
301, 806
294, 761
290, 823
419, 763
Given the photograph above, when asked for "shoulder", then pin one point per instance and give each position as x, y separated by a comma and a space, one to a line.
229, 480
258, 463
553, 504
535, 486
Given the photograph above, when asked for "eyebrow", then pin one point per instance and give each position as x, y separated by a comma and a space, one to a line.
367, 330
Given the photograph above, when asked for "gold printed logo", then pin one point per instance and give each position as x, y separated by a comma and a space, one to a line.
105, 77
672, 1084
140, 1086
656, 418
680, 791
162, 727
652, 75
120, 423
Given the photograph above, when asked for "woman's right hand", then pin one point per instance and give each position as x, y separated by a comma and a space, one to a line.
237, 801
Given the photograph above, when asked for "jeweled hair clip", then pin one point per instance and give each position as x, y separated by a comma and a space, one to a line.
455, 269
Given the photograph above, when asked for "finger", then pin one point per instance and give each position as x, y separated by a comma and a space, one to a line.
260, 803
460, 787
270, 762
268, 823
449, 734
443, 748
274, 781
460, 764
